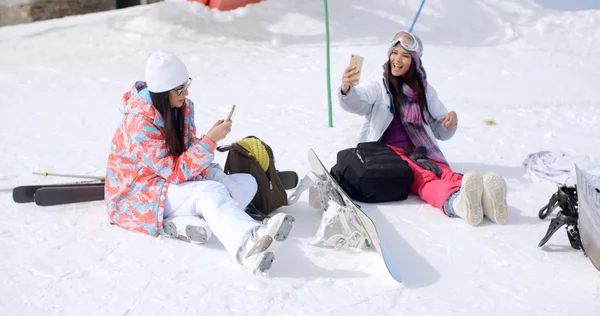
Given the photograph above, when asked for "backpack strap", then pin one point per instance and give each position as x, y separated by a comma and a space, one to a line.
233, 147
255, 213
224, 148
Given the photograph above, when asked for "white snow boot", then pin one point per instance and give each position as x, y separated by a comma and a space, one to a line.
494, 198
257, 254
468, 204
191, 228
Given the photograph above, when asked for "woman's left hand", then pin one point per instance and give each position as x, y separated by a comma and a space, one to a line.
449, 120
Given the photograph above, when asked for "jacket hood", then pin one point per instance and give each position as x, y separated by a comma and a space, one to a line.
138, 101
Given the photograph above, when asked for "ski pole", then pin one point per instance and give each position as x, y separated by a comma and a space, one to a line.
417, 16
91, 181
45, 174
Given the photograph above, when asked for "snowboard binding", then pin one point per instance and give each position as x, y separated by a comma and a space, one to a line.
339, 229
565, 198
339, 226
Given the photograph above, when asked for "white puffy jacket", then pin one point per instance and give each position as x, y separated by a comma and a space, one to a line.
373, 100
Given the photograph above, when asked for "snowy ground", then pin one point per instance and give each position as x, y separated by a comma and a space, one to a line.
532, 69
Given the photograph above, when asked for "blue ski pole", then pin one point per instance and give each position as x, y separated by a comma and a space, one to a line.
417, 16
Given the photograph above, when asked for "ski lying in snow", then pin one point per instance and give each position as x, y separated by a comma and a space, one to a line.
343, 223
57, 195
25, 193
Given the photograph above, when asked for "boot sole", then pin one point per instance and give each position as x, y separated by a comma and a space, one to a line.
285, 228
265, 263
495, 193
193, 234
473, 189
266, 245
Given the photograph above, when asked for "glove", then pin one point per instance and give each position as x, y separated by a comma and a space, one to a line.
418, 156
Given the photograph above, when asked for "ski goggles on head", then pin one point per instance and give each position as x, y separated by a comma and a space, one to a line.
406, 40
181, 90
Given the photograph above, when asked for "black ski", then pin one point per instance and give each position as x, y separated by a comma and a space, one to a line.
25, 193
57, 195
93, 190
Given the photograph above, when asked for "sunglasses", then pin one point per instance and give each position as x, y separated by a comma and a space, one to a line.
184, 88
406, 40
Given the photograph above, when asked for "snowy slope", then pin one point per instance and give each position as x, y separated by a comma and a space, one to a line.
532, 69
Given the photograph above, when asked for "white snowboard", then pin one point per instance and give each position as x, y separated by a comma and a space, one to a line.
342, 199
589, 216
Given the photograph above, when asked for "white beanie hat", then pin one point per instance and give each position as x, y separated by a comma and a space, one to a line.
164, 71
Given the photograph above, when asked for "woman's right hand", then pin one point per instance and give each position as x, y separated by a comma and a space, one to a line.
219, 131
349, 79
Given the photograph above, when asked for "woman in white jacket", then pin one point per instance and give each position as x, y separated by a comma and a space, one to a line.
404, 111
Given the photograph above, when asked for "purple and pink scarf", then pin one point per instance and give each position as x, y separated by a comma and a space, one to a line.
412, 118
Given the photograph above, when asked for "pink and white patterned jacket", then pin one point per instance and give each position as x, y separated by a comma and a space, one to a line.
140, 166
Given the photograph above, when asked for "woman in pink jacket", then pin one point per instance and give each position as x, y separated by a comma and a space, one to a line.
161, 177
404, 111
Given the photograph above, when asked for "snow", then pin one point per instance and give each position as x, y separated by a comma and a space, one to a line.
525, 64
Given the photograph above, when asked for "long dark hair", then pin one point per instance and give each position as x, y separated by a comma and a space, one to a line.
173, 118
413, 80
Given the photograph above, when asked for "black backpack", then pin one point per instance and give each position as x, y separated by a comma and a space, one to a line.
373, 172
271, 193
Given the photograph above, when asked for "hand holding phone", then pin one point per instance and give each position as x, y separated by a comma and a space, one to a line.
219, 131
351, 76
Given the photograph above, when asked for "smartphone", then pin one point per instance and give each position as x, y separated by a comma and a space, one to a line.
357, 61
230, 113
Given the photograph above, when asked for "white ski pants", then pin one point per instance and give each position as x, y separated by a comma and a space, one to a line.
221, 202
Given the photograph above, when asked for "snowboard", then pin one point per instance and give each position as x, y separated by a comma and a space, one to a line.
589, 216
340, 197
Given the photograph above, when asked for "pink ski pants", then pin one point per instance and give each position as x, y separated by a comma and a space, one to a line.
431, 189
